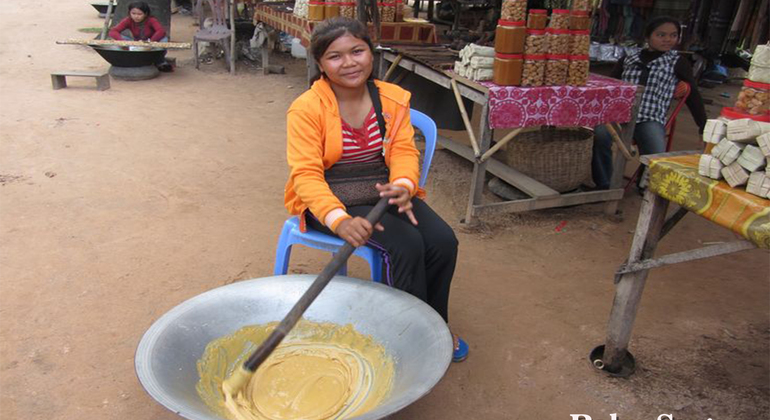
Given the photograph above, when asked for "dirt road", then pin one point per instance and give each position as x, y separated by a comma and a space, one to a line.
118, 205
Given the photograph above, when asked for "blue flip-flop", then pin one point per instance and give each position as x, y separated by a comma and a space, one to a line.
461, 353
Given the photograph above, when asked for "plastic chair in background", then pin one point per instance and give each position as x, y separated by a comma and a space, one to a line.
681, 93
291, 234
219, 33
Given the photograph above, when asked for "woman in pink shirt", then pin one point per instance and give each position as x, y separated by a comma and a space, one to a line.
141, 26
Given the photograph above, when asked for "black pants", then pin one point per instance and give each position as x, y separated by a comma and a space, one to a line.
419, 260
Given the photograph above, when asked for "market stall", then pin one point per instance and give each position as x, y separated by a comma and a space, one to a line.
601, 101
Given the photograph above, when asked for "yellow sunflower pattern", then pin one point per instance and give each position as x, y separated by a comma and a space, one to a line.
676, 179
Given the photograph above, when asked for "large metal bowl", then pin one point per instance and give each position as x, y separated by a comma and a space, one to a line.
411, 331
133, 57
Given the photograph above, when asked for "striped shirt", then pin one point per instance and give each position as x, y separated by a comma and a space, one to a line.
363, 144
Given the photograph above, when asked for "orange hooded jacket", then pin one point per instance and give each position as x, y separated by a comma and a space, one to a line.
314, 144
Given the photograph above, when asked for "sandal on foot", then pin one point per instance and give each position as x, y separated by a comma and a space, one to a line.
460, 353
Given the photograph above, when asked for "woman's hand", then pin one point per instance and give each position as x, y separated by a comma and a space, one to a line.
357, 230
400, 197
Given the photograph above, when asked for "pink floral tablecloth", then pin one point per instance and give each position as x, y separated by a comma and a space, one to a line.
601, 101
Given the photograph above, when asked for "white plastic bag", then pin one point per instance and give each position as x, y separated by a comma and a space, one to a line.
759, 70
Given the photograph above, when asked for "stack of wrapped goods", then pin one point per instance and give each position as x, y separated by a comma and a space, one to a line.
476, 62
556, 55
509, 43
348, 9
559, 46
317, 10
331, 9
580, 44
740, 154
387, 10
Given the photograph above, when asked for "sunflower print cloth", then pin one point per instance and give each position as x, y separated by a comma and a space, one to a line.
676, 179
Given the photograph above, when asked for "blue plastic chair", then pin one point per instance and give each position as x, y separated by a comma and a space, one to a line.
291, 235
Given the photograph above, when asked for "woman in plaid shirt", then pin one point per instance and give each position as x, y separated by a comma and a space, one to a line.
658, 68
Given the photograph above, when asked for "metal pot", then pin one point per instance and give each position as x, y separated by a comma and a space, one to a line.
133, 57
411, 331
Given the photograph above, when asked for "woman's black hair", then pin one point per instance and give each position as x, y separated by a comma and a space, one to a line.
141, 5
329, 30
656, 22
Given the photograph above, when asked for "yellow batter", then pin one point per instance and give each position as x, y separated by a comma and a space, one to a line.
320, 371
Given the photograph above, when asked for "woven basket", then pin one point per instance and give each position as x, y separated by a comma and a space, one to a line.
557, 157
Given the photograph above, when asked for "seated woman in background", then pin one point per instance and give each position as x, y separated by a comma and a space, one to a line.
659, 69
141, 26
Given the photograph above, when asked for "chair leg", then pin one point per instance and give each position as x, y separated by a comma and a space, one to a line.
232, 56
634, 177
195, 53
226, 48
282, 257
283, 251
375, 265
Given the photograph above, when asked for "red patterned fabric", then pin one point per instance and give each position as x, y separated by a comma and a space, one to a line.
398, 32
601, 101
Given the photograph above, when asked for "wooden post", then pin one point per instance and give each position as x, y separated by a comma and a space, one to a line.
312, 68
112, 42
628, 291
107, 19
265, 59
58, 81
381, 68
374, 13
479, 168
619, 161
500, 144
233, 54
466, 119
618, 142
392, 68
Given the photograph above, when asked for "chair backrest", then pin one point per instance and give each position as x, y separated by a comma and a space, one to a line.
219, 12
429, 130
681, 93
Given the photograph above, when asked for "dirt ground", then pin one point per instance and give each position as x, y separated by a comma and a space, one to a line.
118, 205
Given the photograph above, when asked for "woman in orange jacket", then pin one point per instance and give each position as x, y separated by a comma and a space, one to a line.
335, 123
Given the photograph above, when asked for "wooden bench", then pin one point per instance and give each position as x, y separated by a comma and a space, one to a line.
59, 78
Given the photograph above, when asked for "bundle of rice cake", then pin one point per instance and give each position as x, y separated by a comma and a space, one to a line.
751, 159
714, 131
746, 130
735, 175
476, 62
727, 151
710, 167
759, 184
764, 144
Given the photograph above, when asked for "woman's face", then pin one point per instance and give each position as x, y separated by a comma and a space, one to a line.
664, 37
347, 62
137, 15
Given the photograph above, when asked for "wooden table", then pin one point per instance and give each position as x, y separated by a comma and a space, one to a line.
674, 179
540, 195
